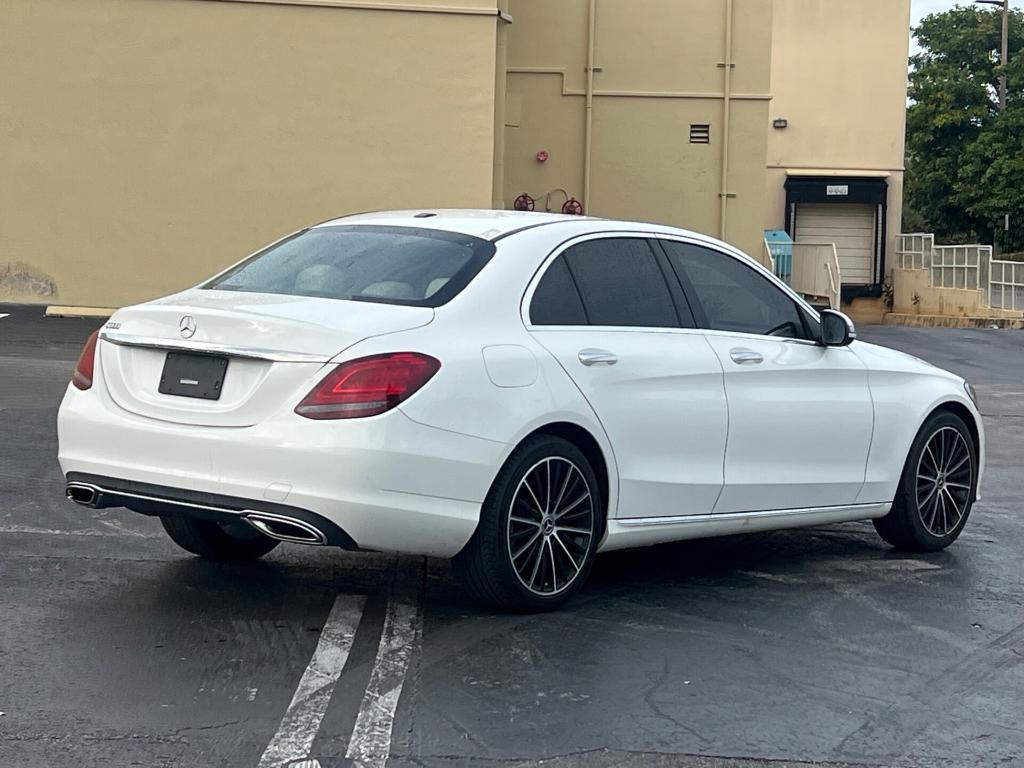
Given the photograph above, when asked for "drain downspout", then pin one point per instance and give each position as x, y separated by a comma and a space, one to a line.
588, 136
726, 116
500, 99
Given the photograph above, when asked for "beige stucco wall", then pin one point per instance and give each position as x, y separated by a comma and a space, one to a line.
656, 73
839, 76
145, 144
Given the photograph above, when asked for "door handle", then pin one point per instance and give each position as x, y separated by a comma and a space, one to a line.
744, 356
597, 357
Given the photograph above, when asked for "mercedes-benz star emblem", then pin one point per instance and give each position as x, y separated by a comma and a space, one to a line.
187, 326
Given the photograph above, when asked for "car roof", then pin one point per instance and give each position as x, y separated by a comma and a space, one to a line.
485, 224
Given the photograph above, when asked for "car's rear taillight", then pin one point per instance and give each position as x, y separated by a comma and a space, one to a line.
368, 386
86, 363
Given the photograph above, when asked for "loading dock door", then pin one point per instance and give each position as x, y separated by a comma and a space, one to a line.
851, 227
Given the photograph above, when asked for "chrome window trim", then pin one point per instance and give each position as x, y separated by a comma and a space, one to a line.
173, 345
726, 251
531, 287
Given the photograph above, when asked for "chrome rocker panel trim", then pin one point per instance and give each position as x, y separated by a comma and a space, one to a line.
624, 533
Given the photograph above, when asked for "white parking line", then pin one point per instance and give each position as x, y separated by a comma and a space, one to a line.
88, 532
371, 738
3, 316
294, 738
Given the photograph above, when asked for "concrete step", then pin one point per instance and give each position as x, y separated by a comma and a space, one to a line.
865, 311
945, 321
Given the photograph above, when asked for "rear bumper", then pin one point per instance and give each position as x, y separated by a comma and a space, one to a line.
304, 527
383, 483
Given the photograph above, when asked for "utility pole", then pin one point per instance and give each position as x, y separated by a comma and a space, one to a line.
1006, 46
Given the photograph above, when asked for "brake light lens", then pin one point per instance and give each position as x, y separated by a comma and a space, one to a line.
82, 377
368, 386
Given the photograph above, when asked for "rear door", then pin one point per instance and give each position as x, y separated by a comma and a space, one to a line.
800, 414
603, 306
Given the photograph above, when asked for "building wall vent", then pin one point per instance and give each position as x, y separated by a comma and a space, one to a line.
700, 133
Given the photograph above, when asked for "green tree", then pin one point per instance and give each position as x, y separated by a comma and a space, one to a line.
965, 159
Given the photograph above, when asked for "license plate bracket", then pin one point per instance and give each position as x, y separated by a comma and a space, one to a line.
193, 375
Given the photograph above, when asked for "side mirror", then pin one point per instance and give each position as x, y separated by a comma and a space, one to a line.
837, 330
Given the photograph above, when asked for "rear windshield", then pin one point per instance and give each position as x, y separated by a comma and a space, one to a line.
390, 265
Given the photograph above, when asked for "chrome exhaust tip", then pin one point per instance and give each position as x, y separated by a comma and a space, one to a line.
82, 494
285, 528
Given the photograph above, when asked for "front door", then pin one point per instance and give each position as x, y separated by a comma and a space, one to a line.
623, 332
800, 414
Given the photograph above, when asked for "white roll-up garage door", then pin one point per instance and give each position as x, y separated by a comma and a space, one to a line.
852, 229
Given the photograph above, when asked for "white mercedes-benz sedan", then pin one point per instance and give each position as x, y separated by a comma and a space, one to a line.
513, 391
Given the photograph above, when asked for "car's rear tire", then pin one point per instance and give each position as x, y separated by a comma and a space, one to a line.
217, 541
539, 529
937, 489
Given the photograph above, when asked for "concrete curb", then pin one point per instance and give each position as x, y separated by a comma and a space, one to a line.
58, 311
943, 321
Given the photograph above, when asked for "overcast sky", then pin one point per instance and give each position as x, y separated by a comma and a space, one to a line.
921, 8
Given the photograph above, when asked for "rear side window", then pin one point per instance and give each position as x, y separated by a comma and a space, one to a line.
391, 265
621, 284
556, 300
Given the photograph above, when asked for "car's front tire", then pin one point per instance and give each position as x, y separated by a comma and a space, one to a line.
539, 529
937, 489
217, 541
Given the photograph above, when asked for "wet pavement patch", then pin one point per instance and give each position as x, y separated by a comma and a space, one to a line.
814, 647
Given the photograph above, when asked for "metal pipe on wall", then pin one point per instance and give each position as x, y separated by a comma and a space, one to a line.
588, 131
726, 115
500, 97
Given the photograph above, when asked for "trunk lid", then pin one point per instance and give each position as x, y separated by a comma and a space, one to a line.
273, 345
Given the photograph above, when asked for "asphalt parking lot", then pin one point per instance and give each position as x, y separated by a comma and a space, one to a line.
818, 646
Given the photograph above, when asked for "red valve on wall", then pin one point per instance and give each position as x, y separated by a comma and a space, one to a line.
524, 203
542, 156
573, 207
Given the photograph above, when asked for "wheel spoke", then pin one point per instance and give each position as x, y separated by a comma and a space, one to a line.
955, 449
519, 552
956, 506
931, 456
570, 529
554, 570
540, 507
536, 565
525, 521
959, 464
958, 485
569, 474
547, 494
572, 506
929, 478
922, 502
939, 507
567, 553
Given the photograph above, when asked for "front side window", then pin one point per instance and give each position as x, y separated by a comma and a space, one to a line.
617, 282
391, 265
733, 296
